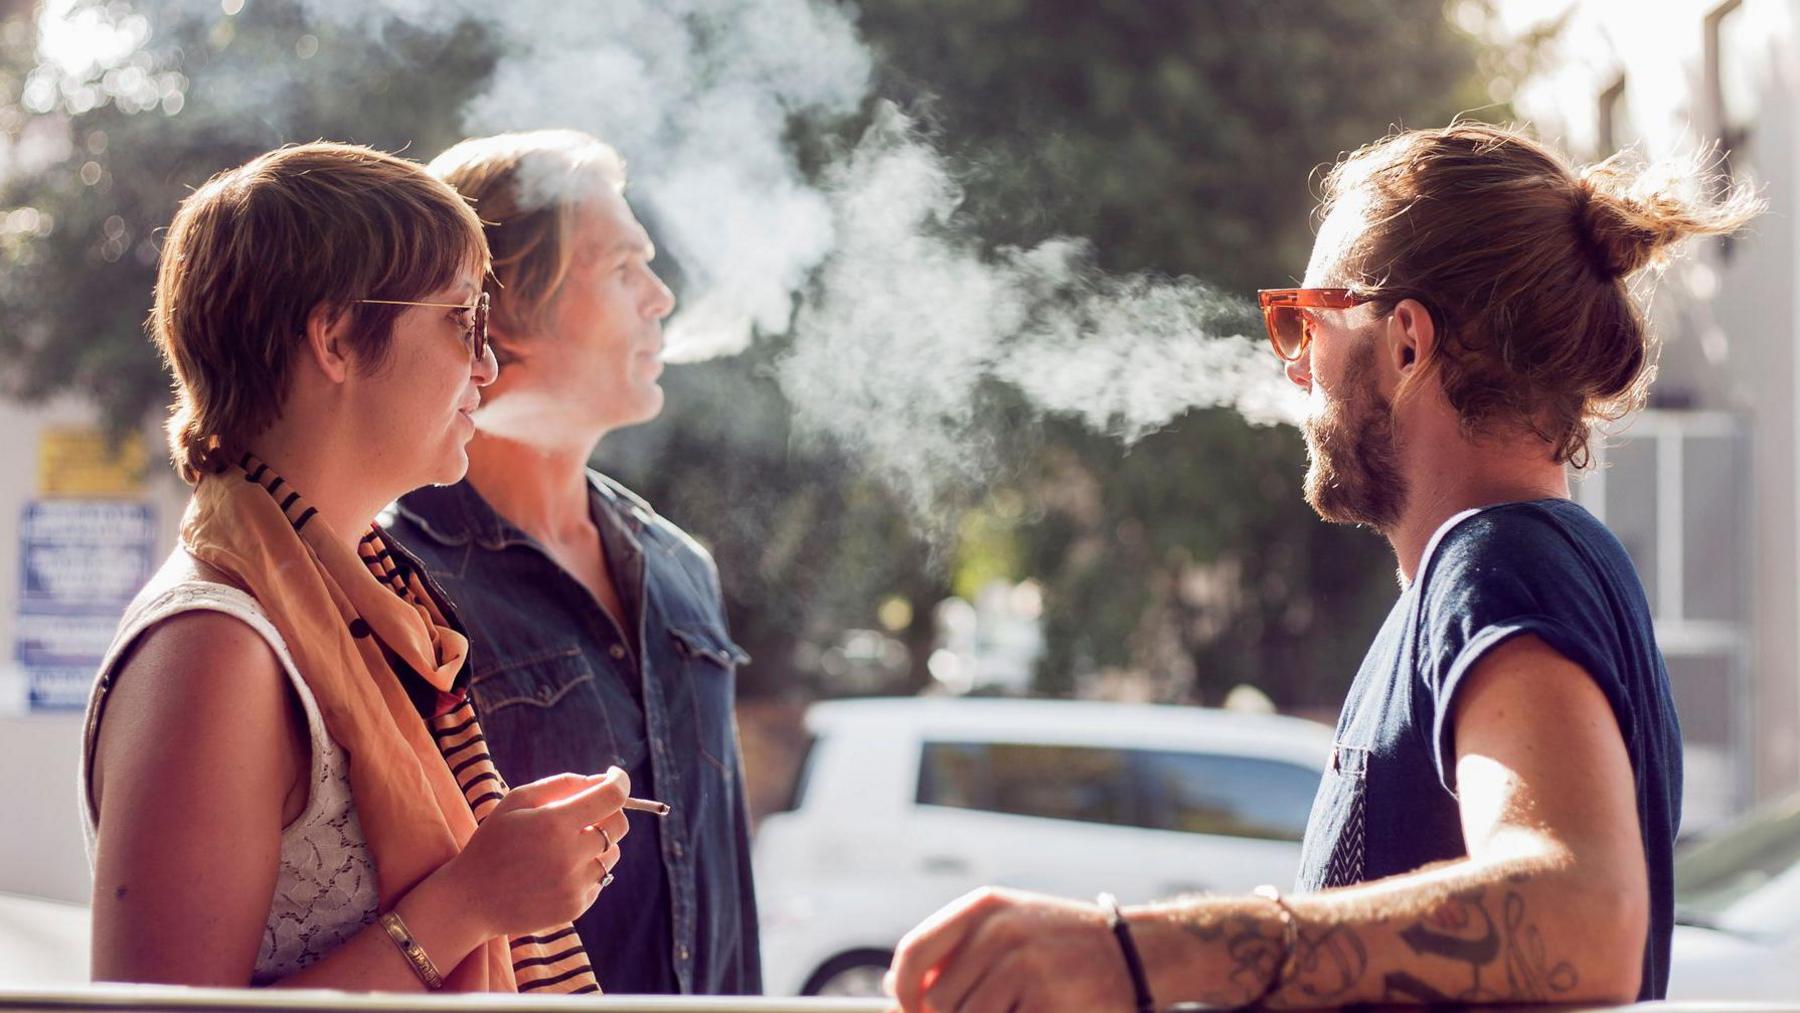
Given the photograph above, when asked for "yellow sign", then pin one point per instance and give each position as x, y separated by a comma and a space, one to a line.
85, 462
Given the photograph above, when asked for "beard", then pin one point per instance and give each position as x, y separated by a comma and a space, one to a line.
1354, 472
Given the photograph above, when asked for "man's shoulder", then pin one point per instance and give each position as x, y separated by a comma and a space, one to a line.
1542, 537
651, 525
1520, 559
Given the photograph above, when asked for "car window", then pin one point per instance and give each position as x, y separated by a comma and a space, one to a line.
1162, 790
1082, 783
1239, 796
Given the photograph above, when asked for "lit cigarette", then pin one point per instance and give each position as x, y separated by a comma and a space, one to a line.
648, 805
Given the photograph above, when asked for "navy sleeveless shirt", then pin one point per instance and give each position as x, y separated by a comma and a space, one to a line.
1546, 568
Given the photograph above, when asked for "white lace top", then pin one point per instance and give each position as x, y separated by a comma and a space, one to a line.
325, 892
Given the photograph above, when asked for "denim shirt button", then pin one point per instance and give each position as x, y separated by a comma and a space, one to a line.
677, 849
616, 651
682, 953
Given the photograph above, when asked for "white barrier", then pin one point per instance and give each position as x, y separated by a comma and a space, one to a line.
174, 999
177, 999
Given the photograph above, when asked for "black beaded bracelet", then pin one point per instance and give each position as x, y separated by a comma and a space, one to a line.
1121, 930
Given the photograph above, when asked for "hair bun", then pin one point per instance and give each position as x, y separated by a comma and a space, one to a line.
1624, 237
1632, 220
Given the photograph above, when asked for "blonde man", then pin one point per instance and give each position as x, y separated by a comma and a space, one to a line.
600, 634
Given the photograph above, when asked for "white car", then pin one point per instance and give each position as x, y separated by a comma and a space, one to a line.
905, 804
1737, 897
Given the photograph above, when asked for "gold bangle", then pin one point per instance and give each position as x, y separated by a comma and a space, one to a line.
412, 951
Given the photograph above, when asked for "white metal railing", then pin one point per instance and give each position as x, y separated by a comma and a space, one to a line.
177, 999
172, 999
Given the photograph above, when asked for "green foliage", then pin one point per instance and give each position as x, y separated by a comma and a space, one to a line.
1182, 137
1179, 135
73, 302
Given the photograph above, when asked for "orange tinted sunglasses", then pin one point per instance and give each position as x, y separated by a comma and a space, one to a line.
1289, 330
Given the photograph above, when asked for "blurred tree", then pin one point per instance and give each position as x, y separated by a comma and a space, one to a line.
1178, 135
97, 149
1182, 138
101, 153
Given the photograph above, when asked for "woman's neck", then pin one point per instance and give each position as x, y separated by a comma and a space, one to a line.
332, 482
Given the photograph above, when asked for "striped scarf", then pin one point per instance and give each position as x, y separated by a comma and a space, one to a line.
549, 961
370, 640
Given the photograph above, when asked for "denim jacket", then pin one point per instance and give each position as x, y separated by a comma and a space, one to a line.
560, 687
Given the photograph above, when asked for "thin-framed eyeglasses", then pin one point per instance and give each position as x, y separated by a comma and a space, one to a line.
475, 337
1284, 314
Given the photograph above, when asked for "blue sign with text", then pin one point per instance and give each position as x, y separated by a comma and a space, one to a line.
81, 561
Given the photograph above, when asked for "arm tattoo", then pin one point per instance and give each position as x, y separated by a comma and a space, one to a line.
1328, 963
1254, 955
1462, 929
1505, 957
1528, 970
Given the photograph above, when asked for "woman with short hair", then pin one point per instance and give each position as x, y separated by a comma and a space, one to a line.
284, 781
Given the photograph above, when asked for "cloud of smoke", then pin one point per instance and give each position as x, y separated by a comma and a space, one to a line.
897, 321
698, 95
906, 322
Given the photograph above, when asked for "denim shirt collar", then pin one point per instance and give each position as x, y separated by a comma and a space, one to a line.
457, 514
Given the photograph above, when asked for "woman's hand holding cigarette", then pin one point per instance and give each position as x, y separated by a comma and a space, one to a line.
540, 856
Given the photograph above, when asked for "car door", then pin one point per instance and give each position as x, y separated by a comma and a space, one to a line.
1217, 821
1074, 820
1019, 814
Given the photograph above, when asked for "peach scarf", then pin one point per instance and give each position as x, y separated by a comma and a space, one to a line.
344, 615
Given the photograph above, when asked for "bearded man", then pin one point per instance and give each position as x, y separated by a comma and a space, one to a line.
1500, 811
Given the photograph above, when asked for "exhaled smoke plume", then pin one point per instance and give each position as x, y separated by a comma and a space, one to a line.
897, 323
697, 95
905, 323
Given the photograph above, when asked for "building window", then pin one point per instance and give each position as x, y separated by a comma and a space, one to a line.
1675, 489
1615, 118
1731, 90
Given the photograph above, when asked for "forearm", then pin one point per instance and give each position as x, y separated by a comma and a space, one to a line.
440, 922
1514, 930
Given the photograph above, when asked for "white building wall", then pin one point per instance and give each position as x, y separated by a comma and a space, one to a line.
1669, 78
41, 850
